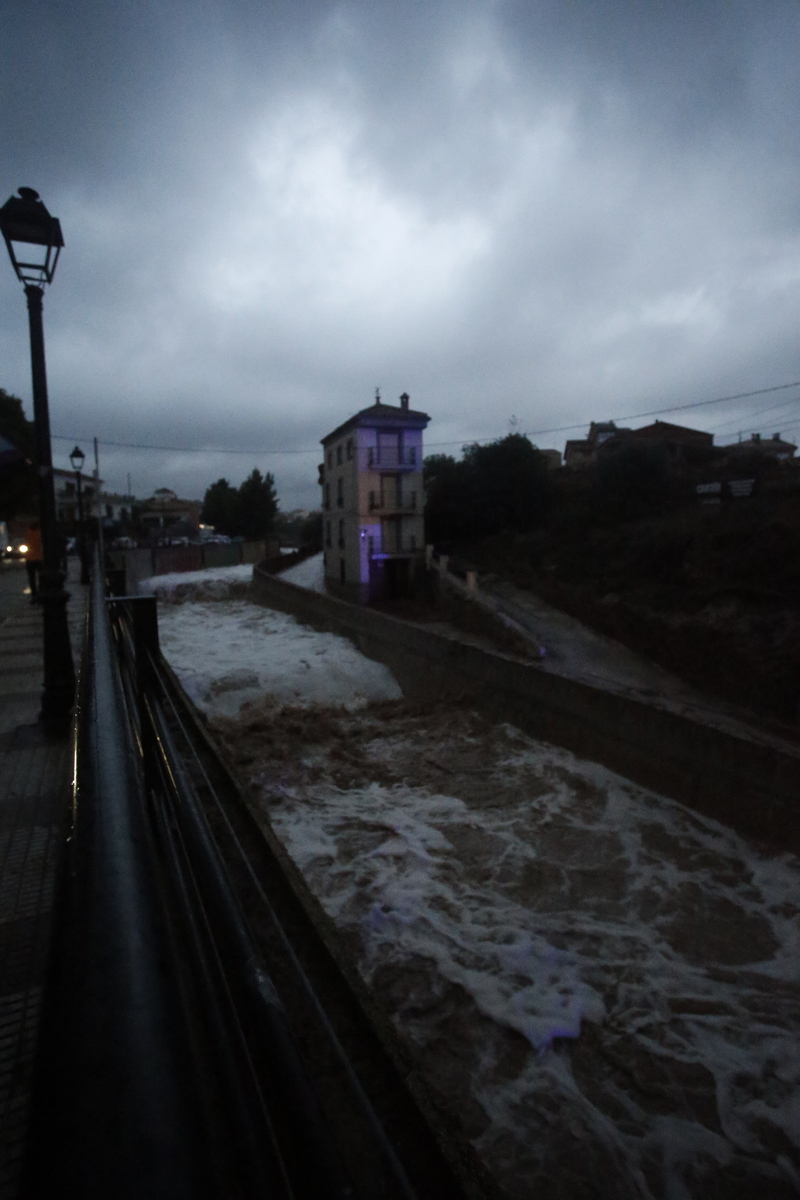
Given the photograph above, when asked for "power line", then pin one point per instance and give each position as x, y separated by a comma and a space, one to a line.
657, 412
738, 422
654, 412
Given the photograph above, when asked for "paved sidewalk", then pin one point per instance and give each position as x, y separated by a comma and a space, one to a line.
35, 772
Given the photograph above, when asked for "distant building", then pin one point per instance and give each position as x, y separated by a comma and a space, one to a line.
164, 511
552, 459
116, 507
682, 444
65, 486
581, 453
373, 501
773, 449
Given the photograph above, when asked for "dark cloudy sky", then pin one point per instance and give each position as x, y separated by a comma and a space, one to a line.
549, 210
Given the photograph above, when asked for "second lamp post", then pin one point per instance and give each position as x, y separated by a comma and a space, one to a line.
77, 458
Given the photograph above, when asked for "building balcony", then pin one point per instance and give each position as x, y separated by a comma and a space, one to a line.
389, 459
393, 506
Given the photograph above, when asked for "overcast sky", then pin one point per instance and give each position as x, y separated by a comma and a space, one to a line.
550, 211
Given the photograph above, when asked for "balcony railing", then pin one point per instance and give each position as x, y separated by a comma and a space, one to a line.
389, 458
378, 504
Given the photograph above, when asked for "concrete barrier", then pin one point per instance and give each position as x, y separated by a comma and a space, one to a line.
742, 778
166, 560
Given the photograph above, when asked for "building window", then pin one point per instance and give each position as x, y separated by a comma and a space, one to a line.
412, 542
327, 495
342, 573
341, 535
327, 533
413, 499
340, 491
349, 447
330, 458
370, 546
370, 456
339, 455
372, 500
412, 454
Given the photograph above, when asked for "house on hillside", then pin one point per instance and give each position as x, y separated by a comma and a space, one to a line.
684, 447
580, 454
373, 501
760, 449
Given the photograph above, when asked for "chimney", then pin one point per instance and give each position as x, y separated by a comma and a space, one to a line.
756, 437
404, 399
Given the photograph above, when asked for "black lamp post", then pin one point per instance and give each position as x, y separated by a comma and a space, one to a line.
77, 458
28, 229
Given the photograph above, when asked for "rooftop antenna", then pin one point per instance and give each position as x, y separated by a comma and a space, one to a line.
377, 395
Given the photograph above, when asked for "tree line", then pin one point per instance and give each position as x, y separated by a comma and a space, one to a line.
18, 490
504, 485
247, 511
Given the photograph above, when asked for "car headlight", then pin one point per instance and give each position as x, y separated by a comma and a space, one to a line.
9, 549
23, 549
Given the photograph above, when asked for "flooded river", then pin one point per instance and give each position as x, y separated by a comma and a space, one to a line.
604, 985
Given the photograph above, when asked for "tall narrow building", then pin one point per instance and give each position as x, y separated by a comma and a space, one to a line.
373, 501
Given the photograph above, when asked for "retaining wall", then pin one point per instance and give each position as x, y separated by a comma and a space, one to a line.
744, 782
166, 560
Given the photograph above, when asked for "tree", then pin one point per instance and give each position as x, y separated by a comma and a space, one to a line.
633, 482
501, 486
247, 511
18, 491
258, 505
221, 508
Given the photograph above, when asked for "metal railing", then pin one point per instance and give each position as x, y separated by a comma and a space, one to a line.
388, 458
166, 1066
405, 504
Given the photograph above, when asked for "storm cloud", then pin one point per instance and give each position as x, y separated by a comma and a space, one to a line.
557, 212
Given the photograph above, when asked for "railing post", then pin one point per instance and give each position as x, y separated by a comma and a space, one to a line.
144, 623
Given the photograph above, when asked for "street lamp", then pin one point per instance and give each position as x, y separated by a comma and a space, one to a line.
77, 458
30, 231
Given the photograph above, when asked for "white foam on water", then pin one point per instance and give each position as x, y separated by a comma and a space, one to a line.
605, 924
212, 583
229, 652
310, 573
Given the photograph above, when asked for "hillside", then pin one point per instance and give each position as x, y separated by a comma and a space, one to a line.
711, 594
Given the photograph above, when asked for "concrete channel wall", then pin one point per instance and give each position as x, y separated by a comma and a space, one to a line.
164, 560
743, 782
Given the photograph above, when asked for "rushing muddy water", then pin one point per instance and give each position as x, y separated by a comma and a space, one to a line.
603, 984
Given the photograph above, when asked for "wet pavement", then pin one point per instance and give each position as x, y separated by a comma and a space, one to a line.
35, 773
